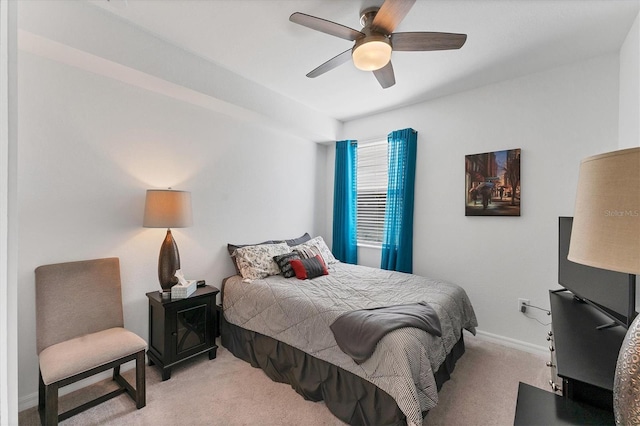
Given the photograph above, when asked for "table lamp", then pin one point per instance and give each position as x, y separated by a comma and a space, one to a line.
166, 208
606, 234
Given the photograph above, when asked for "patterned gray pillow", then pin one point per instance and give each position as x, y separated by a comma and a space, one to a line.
255, 262
284, 263
313, 247
231, 248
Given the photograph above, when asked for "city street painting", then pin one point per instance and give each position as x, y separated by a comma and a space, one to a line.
492, 183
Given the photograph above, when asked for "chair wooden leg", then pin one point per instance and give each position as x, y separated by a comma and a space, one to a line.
141, 393
51, 404
40, 392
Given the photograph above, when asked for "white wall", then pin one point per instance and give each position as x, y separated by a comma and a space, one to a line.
90, 146
556, 117
107, 111
629, 123
8, 214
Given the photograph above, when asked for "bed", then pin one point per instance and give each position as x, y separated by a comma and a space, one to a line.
282, 325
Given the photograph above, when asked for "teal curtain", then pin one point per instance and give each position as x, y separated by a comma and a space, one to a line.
397, 244
345, 239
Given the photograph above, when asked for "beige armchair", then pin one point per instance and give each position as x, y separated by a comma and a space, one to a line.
80, 333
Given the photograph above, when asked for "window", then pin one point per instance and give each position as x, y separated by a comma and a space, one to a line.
372, 192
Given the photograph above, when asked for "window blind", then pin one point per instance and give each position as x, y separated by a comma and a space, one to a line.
372, 192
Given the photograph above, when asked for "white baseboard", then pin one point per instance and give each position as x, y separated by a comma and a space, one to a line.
512, 343
31, 400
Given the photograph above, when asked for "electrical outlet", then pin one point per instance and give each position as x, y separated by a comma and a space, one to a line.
522, 305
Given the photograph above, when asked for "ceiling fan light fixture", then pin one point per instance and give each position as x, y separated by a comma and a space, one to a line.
376, 40
371, 53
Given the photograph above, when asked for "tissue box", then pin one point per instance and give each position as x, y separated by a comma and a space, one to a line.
181, 291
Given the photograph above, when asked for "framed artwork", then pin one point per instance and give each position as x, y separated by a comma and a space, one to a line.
492, 183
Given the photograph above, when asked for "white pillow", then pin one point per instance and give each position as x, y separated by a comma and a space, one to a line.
313, 247
256, 262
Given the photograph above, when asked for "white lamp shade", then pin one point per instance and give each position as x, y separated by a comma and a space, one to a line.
372, 54
166, 208
606, 223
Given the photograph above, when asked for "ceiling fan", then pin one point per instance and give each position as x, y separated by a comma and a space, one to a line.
375, 42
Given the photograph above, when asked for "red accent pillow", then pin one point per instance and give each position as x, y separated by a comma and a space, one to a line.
309, 268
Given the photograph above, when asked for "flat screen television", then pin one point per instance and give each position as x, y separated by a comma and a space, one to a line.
613, 293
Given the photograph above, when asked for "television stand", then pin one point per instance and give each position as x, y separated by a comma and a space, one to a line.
583, 356
583, 364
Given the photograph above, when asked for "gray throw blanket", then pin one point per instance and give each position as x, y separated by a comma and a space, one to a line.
358, 332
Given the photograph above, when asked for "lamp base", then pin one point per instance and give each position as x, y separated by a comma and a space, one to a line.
168, 263
626, 383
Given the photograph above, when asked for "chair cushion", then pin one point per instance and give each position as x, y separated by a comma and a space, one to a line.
83, 353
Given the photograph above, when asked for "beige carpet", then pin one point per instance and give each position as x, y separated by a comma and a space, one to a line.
228, 391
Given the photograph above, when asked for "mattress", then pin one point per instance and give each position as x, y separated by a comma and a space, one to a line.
299, 313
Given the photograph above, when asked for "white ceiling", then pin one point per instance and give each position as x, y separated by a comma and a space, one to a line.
506, 39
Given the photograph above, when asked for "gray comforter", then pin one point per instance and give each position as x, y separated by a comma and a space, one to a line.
299, 313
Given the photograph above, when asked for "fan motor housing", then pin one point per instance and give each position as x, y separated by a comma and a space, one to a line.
377, 53
367, 15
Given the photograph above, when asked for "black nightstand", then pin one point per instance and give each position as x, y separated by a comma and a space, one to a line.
180, 329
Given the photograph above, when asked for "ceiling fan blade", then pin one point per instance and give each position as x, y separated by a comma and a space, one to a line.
327, 27
390, 14
427, 41
331, 64
385, 76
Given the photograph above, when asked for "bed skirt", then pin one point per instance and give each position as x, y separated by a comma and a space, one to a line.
349, 397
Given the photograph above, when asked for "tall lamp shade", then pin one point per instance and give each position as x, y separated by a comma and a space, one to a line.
606, 235
167, 208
